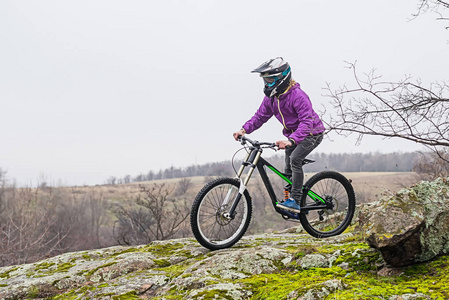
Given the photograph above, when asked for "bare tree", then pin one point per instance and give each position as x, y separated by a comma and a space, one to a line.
168, 213
98, 209
158, 217
184, 184
402, 109
131, 227
40, 222
27, 223
436, 6
112, 180
431, 166
3, 181
127, 179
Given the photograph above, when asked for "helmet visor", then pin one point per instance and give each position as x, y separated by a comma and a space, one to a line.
270, 81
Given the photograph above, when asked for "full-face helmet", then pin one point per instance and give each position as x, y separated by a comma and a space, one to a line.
276, 74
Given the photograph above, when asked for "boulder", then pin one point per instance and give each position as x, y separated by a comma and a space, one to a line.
411, 225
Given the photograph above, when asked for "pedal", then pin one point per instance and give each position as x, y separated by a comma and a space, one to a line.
287, 218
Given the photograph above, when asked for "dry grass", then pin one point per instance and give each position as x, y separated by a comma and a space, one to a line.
368, 186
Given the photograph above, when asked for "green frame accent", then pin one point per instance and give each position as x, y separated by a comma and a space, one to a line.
311, 194
315, 196
280, 174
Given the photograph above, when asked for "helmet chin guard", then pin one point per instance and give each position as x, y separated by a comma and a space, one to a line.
276, 74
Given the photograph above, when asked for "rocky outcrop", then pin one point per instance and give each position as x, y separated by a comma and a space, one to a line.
410, 226
269, 266
283, 265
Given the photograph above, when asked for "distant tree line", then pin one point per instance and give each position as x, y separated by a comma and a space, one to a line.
365, 162
344, 162
208, 169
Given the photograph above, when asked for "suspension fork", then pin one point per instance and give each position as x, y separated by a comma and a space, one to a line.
251, 160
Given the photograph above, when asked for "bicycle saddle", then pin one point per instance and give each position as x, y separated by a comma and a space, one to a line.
307, 161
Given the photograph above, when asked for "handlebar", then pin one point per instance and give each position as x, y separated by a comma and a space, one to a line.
257, 144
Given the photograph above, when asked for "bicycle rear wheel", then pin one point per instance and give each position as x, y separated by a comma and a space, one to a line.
210, 224
337, 192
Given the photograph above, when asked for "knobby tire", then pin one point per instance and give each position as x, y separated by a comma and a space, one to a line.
334, 221
209, 227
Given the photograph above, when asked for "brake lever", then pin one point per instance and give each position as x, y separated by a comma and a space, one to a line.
241, 140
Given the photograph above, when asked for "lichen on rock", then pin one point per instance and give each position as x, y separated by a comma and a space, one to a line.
410, 226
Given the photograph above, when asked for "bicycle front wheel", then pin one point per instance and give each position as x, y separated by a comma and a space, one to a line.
209, 219
336, 192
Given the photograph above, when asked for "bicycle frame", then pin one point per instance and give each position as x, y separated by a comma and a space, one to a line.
221, 212
254, 160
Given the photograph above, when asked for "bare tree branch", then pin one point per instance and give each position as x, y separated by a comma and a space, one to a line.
403, 109
435, 6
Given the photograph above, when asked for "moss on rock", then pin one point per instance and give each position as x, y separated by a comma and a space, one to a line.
284, 265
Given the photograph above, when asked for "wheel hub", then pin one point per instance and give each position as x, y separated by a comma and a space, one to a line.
331, 207
222, 216
331, 203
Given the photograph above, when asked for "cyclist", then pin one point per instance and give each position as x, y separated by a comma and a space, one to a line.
303, 128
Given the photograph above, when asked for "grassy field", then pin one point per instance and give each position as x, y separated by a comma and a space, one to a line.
367, 185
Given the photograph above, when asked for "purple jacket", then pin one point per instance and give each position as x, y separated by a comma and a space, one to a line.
293, 109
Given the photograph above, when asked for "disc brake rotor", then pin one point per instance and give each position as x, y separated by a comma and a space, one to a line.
221, 218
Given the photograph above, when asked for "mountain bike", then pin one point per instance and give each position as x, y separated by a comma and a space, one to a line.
221, 212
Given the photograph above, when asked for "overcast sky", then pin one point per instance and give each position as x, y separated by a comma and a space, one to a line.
93, 89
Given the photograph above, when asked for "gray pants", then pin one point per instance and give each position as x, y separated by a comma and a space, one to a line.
294, 157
